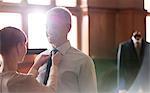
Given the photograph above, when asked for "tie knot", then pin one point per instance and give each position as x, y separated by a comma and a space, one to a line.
54, 51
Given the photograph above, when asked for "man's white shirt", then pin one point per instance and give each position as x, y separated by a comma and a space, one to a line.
76, 72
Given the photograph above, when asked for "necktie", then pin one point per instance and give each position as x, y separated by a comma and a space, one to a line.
138, 48
49, 64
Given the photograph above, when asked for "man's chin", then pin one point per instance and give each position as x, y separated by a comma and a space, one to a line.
52, 42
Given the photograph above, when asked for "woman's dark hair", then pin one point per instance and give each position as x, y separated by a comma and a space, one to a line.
10, 37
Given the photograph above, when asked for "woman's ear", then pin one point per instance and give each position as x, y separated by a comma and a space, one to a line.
18, 48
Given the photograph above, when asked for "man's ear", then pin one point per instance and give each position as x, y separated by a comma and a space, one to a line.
69, 27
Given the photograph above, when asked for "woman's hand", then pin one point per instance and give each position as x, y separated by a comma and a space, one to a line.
40, 60
56, 58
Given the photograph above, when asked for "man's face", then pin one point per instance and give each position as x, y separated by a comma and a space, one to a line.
55, 31
137, 35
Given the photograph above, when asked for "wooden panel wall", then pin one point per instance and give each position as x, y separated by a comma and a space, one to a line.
102, 32
128, 20
138, 4
103, 3
111, 22
116, 3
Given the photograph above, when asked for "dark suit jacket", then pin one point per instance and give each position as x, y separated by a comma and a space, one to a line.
142, 80
129, 63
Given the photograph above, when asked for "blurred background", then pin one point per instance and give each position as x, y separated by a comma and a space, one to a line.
98, 28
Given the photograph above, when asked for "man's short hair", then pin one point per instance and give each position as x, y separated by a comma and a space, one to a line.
60, 13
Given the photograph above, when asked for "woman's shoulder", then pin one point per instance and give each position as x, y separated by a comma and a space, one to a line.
21, 77
15, 78
21, 83
9, 75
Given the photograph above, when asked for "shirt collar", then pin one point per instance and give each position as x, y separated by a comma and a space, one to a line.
64, 47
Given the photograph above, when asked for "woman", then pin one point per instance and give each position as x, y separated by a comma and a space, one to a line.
13, 49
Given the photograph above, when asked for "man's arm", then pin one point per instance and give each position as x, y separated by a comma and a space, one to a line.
87, 77
120, 68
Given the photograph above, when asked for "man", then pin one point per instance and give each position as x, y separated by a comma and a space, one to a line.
76, 71
142, 81
129, 59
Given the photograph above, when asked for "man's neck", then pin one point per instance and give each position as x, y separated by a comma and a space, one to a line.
56, 45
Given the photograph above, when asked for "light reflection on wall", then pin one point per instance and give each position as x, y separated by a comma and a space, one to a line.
72, 36
148, 28
85, 34
10, 19
147, 5
84, 3
12, 1
69, 3
39, 2
37, 31
1, 64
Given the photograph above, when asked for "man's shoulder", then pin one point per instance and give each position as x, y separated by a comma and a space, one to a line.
126, 43
76, 51
78, 54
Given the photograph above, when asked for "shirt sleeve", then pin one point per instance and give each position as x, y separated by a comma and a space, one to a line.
87, 77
